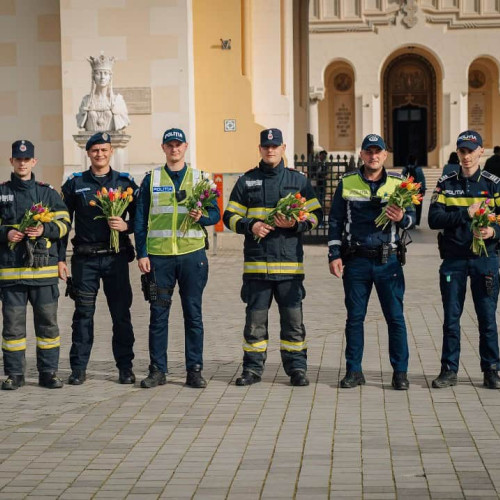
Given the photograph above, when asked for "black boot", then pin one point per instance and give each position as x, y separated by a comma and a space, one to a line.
247, 378
126, 376
49, 380
352, 379
195, 379
155, 378
77, 377
400, 381
491, 379
446, 378
299, 378
13, 382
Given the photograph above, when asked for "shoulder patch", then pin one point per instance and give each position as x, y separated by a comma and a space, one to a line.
490, 176
448, 176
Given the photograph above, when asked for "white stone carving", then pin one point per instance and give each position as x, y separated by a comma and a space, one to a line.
102, 110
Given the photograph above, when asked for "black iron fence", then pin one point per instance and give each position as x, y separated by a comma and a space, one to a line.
324, 173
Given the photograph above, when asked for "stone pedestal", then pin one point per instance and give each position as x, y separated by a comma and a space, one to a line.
119, 142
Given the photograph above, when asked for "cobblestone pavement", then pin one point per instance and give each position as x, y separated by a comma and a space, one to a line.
103, 440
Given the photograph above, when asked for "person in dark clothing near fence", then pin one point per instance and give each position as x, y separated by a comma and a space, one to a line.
413, 170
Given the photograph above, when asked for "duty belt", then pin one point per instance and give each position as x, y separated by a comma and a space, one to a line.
95, 249
371, 253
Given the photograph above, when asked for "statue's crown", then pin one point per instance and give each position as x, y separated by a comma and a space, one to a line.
102, 62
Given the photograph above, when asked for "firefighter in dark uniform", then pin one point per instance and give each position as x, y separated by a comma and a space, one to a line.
28, 271
167, 255
274, 266
365, 255
93, 260
457, 197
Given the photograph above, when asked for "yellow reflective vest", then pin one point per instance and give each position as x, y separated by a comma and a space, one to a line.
166, 215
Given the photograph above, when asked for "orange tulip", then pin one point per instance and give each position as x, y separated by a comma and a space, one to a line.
98, 194
298, 196
129, 190
303, 200
92, 203
492, 217
415, 199
130, 198
410, 179
124, 195
104, 191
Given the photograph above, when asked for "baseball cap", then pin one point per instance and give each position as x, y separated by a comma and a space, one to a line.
469, 139
271, 137
23, 149
99, 138
174, 134
373, 140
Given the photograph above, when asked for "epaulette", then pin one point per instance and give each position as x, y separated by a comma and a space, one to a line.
46, 184
251, 170
73, 175
444, 177
398, 175
127, 175
490, 176
348, 174
291, 169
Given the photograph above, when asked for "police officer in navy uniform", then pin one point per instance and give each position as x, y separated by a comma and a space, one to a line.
28, 271
273, 266
93, 260
170, 255
365, 255
457, 197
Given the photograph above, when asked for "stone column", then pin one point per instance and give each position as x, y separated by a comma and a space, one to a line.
316, 94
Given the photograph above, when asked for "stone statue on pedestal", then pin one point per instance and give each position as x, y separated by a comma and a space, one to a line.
102, 110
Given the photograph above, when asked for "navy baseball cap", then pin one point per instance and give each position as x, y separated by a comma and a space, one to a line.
373, 140
469, 139
271, 137
23, 149
99, 138
174, 134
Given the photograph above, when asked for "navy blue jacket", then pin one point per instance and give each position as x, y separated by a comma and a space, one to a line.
78, 191
449, 211
280, 254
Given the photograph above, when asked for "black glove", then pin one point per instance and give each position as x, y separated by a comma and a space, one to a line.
40, 253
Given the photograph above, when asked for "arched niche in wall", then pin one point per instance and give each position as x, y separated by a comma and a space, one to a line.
483, 84
337, 110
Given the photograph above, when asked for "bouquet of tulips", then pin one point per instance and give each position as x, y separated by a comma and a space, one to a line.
204, 193
34, 216
292, 206
406, 194
483, 217
112, 203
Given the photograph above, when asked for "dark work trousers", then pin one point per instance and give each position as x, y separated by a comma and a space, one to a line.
258, 295
360, 274
453, 275
190, 271
87, 272
44, 301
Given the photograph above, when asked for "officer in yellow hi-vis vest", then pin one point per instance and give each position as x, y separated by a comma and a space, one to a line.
28, 268
169, 254
274, 255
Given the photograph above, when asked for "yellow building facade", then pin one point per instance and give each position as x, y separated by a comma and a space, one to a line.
222, 70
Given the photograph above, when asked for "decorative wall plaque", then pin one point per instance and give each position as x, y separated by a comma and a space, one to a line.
138, 99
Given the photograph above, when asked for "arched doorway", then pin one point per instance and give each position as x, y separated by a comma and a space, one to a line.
410, 108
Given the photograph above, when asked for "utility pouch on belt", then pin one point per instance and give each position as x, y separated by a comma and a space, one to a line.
70, 289
149, 287
403, 242
385, 251
37, 253
489, 283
